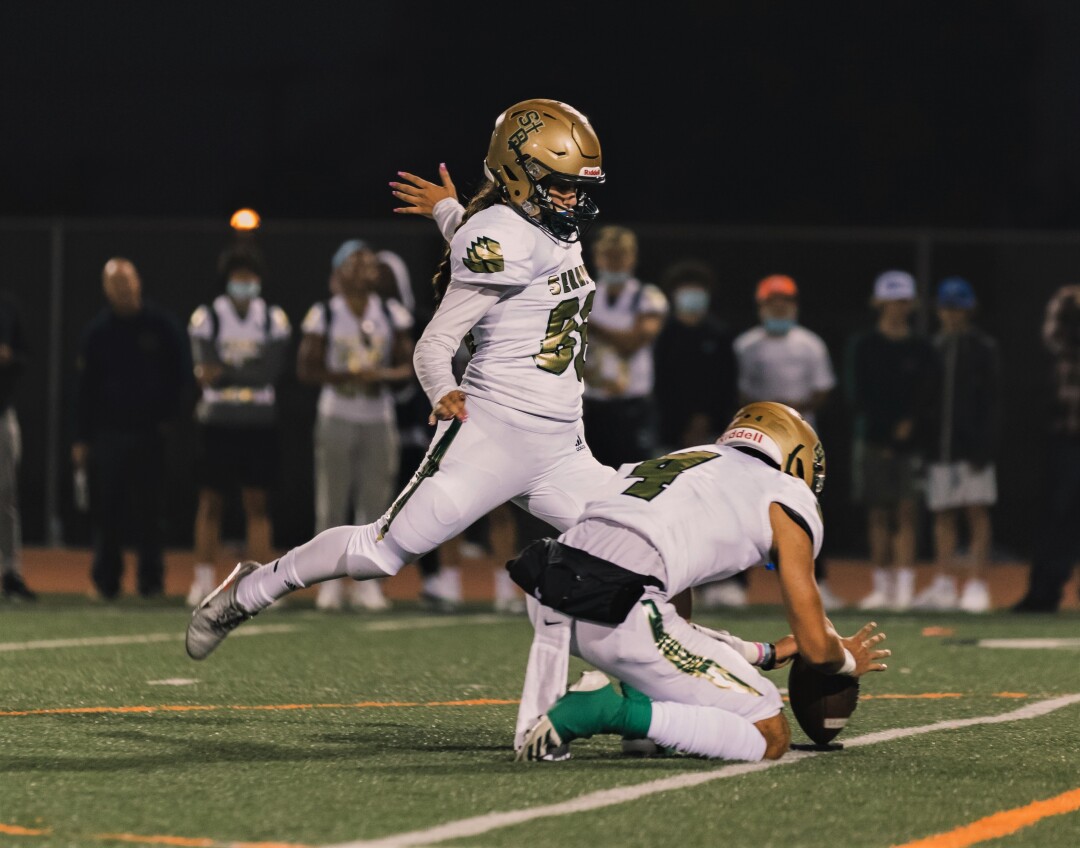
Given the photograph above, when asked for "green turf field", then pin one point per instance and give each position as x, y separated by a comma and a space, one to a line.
316, 729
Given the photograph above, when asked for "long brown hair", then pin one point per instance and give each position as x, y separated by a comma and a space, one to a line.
487, 196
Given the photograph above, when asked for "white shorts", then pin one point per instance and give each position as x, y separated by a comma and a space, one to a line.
497, 455
656, 651
956, 484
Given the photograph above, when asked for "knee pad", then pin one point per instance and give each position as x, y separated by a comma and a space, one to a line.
369, 556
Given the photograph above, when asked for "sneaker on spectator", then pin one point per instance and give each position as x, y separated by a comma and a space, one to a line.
508, 597
880, 596
724, 593
830, 600
441, 592
903, 589
368, 595
975, 597
939, 595
330, 595
203, 584
14, 589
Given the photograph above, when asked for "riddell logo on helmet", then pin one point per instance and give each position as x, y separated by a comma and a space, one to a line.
750, 435
589, 172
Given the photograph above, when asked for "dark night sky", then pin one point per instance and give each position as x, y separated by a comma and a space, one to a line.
897, 113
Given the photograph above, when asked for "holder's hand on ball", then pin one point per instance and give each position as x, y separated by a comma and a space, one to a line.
863, 646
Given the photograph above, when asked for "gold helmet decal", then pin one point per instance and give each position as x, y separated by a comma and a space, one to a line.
782, 434
535, 143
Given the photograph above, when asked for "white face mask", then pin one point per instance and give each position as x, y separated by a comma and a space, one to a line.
243, 289
612, 278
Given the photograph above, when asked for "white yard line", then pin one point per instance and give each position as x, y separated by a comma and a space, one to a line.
609, 797
428, 622
133, 639
1029, 644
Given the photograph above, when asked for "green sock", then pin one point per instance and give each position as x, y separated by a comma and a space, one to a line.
578, 715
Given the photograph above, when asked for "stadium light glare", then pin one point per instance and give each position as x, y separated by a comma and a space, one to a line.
245, 220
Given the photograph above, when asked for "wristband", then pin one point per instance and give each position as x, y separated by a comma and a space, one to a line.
849, 663
768, 659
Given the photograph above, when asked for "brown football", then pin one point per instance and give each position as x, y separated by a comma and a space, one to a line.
822, 703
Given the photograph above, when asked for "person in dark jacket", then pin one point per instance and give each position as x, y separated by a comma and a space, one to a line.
961, 475
133, 373
1057, 545
890, 374
13, 351
695, 365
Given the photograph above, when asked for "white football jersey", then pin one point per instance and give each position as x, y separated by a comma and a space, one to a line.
528, 349
705, 509
355, 344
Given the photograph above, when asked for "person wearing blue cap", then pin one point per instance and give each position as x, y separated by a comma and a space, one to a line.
357, 346
960, 475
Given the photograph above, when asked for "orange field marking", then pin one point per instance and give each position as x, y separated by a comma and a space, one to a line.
187, 842
1000, 824
15, 830
364, 705
183, 708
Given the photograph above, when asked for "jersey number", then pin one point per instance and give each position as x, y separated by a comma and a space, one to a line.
657, 474
557, 350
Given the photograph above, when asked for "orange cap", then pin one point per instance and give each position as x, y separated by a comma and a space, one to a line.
778, 285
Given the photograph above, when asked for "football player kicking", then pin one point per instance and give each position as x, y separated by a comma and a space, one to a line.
656, 529
514, 281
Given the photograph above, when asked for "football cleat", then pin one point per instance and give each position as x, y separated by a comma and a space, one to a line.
218, 615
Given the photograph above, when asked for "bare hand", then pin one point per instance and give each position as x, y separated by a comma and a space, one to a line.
786, 649
862, 647
421, 195
451, 405
79, 453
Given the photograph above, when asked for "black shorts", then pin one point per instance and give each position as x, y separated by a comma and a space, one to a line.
232, 457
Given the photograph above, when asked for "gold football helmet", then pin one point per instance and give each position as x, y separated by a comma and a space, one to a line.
782, 434
537, 143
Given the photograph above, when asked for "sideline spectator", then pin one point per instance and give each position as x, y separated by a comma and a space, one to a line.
695, 362
356, 345
133, 373
890, 373
961, 476
780, 360
1058, 540
13, 352
627, 315
239, 344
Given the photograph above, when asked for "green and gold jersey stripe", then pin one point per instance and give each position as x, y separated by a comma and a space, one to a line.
427, 469
686, 661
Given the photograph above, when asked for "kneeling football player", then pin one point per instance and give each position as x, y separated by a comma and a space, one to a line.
661, 527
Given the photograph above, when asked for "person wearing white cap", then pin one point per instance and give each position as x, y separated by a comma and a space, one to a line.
891, 373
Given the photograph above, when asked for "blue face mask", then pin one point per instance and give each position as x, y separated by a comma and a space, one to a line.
612, 278
778, 326
692, 301
243, 289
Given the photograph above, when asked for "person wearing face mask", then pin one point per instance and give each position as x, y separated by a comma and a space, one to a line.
780, 360
239, 344
626, 318
694, 342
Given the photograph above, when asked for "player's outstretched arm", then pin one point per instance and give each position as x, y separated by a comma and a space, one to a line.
818, 643
420, 195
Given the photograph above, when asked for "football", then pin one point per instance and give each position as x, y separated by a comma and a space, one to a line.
822, 703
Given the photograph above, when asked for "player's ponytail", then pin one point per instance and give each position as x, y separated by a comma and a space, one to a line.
487, 196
